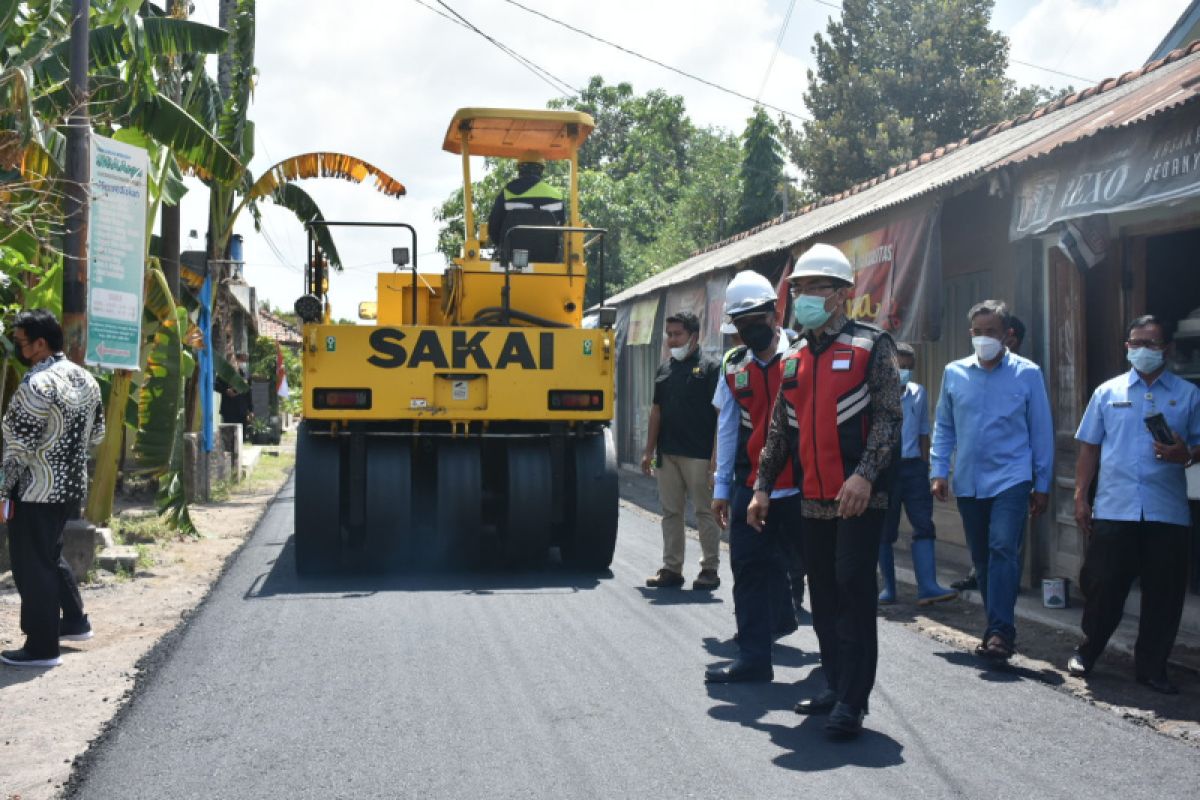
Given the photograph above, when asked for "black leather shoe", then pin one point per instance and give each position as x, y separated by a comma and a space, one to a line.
845, 722
1161, 684
740, 672
1078, 666
822, 703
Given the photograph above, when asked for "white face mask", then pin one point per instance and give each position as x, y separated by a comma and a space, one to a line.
986, 348
680, 353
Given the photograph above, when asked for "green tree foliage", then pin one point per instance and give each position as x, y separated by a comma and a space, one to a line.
763, 181
896, 78
661, 186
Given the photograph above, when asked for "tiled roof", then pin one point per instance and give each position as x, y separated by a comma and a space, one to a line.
1135, 95
275, 328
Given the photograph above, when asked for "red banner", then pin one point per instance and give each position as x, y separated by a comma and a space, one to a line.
898, 276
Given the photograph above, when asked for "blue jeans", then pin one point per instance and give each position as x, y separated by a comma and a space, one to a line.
995, 527
910, 488
762, 601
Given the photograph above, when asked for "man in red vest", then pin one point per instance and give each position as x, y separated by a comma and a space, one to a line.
762, 602
839, 416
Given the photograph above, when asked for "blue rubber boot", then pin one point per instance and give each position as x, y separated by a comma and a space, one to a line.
928, 590
887, 571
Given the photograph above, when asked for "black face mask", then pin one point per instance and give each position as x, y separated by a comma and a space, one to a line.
25, 360
757, 336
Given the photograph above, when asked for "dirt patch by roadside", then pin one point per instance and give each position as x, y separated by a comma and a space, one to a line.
48, 717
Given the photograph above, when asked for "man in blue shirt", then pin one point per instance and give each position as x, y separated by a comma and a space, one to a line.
1140, 523
762, 603
910, 489
993, 418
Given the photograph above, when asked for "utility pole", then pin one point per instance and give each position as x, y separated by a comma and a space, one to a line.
75, 205
169, 213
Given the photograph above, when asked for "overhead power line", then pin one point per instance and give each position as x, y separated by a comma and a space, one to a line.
778, 43
1086, 80
654, 61
557, 84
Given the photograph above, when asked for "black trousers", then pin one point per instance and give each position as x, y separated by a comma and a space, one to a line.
1118, 552
43, 577
762, 600
841, 555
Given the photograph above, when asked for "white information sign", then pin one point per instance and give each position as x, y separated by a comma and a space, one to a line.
116, 253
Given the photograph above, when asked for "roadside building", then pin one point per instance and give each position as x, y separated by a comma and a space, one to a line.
1080, 215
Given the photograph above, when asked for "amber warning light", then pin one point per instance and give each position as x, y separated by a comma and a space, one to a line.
587, 400
342, 398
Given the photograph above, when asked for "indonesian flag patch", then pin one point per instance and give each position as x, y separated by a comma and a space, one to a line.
842, 359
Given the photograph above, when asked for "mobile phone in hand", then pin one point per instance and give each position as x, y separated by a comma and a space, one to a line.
1159, 429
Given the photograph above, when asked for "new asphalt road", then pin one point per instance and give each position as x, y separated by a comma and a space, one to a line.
554, 685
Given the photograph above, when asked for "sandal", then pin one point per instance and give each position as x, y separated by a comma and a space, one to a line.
997, 649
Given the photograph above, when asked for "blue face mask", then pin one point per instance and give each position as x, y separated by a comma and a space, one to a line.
905, 376
1144, 359
810, 311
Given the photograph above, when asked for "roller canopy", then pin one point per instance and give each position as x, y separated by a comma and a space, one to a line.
510, 133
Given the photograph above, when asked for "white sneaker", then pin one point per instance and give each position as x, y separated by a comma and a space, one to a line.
19, 658
80, 632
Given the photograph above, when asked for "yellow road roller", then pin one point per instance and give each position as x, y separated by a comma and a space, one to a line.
468, 422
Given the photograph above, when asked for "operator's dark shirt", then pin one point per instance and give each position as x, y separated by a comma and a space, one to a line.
684, 391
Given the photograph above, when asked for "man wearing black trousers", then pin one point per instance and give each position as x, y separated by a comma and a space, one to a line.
839, 415
1140, 522
54, 417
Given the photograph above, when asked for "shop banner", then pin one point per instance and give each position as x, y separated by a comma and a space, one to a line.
1146, 165
641, 320
116, 254
898, 276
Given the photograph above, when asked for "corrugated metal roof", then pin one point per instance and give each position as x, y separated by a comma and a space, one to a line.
1134, 96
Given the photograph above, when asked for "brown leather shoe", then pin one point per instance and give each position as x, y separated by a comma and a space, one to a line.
665, 579
707, 580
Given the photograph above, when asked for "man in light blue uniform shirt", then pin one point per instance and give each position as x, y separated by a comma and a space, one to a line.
762, 602
910, 490
993, 419
1140, 523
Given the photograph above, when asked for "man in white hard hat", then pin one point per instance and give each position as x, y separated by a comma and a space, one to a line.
762, 603
839, 414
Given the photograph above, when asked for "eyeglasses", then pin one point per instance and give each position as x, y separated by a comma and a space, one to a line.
813, 289
1153, 344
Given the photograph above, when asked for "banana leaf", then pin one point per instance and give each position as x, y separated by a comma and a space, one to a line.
8, 10
324, 165
160, 401
167, 36
228, 373
47, 293
300, 203
192, 143
110, 45
234, 110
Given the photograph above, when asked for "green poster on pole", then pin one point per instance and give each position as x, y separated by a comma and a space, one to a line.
116, 254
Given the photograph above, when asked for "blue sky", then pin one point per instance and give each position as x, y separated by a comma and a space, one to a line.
380, 80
